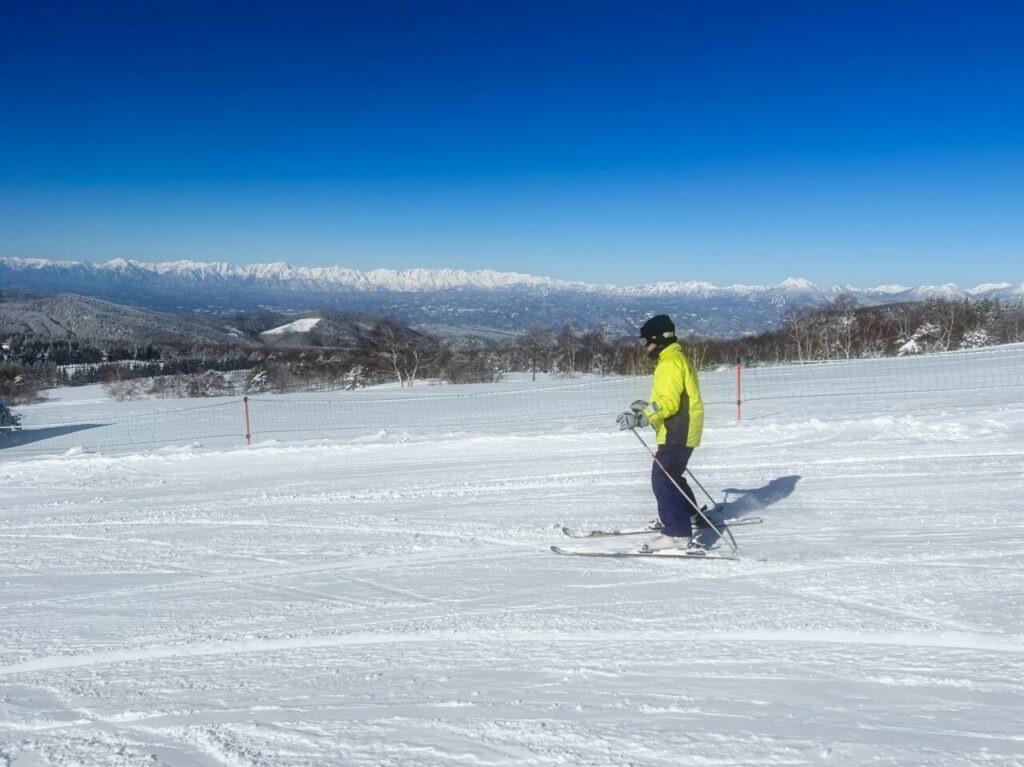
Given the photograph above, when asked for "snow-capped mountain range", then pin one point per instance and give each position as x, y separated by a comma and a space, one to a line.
485, 300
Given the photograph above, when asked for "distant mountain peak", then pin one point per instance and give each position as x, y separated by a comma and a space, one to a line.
990, 286
797, 283
484, 299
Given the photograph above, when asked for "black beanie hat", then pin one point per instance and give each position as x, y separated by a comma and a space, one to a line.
659, 330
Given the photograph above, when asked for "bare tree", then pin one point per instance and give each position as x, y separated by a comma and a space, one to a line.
844, 309
594, 352
124, 389
797, 330
903, 317
946, 315
630, 358
18, 385
121, 382
392, 346
536, 345
567, 345
697, 350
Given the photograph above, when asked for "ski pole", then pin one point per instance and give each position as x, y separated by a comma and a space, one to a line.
710, 497
732, 540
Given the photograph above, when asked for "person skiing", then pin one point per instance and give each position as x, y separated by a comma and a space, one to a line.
676, 412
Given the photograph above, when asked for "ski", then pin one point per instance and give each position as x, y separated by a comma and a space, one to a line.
664, 554
698, 529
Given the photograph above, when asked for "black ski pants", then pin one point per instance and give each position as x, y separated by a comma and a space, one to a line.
673, 509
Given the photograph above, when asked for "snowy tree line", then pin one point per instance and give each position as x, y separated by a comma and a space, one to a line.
391, 351
28, 365
844, 330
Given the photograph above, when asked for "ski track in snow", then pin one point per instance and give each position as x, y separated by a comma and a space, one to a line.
395, 604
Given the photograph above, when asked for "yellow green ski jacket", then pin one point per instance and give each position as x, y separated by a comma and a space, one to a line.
675, 409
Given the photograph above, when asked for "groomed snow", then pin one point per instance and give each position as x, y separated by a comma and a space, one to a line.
390, 599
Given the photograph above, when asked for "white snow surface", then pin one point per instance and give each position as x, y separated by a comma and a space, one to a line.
299, 326
392, 601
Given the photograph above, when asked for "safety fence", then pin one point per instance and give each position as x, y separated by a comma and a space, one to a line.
509, 407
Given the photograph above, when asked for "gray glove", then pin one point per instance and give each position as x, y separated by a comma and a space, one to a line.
638, 405
631, 420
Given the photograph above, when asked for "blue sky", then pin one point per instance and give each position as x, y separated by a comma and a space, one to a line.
614, 142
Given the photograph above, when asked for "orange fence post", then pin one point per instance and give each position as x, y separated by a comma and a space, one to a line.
248, 429
739, 388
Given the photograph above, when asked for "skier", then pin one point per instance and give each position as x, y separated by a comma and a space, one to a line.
676, 412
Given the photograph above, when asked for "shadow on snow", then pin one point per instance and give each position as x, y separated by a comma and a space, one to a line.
749, 502
758, 499
27, 436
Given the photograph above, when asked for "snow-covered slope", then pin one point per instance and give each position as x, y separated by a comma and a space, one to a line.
299, 326
390, 599
79, 317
